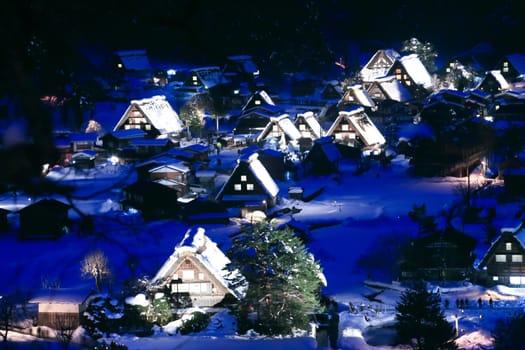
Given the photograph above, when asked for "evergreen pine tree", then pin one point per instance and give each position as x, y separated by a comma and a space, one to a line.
283, 279
421, 321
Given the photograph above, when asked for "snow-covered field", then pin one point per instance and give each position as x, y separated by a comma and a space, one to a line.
355, 217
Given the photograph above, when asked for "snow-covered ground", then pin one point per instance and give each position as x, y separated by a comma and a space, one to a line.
355, 217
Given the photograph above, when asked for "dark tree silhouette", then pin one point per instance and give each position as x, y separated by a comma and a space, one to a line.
421, 321
508, 333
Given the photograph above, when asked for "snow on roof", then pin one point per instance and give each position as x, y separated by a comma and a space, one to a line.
312, 122
261, 173
329, 148
136, 60
206, 251
197, 147
367, 130
479, 93
128, 133
149, 142
496, 74
519, 233
177, 166
245, 61
61, 296
286, 125
159, 112
383, 59
85, 153
210, 76
361, 95
393, 89
259, 98
168, 182
416, 70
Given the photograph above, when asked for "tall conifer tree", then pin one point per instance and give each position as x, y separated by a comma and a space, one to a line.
283, 279
421, 321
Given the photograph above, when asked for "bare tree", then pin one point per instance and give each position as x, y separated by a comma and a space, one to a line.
7, 311
65, 326
96, 265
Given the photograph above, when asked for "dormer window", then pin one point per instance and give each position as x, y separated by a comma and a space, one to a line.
508, 246
243, 178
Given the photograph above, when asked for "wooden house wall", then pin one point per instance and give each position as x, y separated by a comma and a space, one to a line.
58, 320
376, 93
345, 132
197, 282
305, 129
136, 119
170, 174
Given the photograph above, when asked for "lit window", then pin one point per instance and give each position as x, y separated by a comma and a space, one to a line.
515, 280
249, 187
243, 178
237, 187
517, 258
188, 275
257, 102
302, 127
495, 278
344, 127
194, 78
501, 258
508, 246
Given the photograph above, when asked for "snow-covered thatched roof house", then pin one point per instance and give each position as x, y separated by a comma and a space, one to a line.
493, 82
512, 67
503, 261
206, 77
250, 184
260, 99
410, 71
308, 125
133, 60
278, 128
388, 88
354, 128
378, 65
356, 95
154, 115
196, 269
